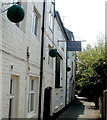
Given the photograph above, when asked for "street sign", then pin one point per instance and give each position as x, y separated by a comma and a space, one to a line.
74, 46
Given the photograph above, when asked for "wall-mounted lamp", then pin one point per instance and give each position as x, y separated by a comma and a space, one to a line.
68, 69
53, 52
15, 13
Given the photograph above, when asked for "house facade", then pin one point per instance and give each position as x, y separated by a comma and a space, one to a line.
60, 38
20, 60
71, 62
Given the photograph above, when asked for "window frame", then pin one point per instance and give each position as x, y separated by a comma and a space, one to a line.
58, 71
31, 92
13, 96
35, 22
51, 17
11, 99
51, 20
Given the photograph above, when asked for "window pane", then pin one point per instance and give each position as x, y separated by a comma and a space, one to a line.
10, 108
49, 18
11, 86
57, 77
32, 102
51, 22
32, 84
36, 22
31, 96
33, 22
28, 102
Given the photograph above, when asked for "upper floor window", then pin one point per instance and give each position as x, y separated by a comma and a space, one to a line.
51, 20
51, 16
35, 22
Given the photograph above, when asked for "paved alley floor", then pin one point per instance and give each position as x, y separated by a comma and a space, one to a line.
80, 109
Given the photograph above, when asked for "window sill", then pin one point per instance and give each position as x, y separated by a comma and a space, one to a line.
56, 107
36, 36
58, 86
31, 114
61, 104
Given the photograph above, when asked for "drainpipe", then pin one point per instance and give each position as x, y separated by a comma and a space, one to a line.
41, 62
66, 78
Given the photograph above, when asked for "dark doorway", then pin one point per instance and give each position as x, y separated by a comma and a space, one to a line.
47, 102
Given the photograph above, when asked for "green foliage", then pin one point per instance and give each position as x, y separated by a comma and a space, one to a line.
92, 71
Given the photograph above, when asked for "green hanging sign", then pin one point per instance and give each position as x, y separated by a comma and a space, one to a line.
15, 13
53, 52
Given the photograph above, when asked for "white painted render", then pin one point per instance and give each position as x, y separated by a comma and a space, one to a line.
14, 44
0, 63
59, 93
14, 52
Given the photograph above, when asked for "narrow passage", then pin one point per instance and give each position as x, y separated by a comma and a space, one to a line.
80, 109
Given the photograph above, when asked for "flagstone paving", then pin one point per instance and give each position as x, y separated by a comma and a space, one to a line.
80, 109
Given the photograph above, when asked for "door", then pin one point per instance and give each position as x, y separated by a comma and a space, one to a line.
47, 102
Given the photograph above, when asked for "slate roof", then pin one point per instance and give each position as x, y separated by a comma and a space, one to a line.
70, 34
67, 33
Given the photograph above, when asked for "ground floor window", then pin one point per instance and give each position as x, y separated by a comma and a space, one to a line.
32, 96
13, 100
57, 71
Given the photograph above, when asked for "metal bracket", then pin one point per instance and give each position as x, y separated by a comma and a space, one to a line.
61, 40
10, 3
14, 3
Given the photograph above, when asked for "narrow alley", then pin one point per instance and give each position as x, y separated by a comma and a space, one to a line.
80, 109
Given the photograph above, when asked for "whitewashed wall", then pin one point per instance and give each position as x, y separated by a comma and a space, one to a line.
14, 42
14, 52
0, 62
59, 93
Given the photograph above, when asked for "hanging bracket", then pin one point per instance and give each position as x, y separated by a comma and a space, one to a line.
14, 3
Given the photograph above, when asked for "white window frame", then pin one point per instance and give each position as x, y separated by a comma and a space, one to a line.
13, 97
51, 19
31, 92
51, 16
35, 20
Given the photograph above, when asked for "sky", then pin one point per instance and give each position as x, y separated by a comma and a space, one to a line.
85, 18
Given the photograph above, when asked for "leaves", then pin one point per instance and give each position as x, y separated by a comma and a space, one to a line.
92, 70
